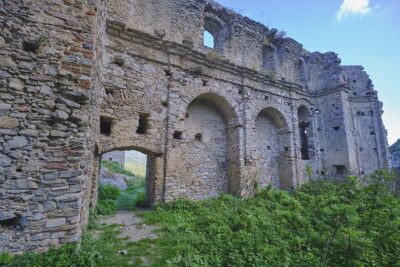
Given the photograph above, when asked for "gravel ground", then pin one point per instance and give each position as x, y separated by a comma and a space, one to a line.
133, 226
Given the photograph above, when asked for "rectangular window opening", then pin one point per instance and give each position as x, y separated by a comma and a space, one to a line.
340, 169
143, 123
105, 126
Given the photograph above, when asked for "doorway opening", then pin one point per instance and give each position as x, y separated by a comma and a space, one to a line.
124, 181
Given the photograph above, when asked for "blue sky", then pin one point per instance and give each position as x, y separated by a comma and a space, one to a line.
362, 32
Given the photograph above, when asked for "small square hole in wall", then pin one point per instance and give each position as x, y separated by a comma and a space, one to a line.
268, 147
318, 129
178, 135
105, 126
199, 137
322, 173
266, 97
286, 148
240, 91
340, 169
164, 104
361, 149
372, 133
205, 82
168, 73
322, 150
143, 123
336, 128
31, 45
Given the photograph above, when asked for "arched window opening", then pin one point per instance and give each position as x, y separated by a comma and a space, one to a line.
124, 182
209, 39
214, 33
305, 131
305, 155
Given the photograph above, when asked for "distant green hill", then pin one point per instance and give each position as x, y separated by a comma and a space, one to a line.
136, 162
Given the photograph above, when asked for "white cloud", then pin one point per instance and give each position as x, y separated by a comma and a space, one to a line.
353, 7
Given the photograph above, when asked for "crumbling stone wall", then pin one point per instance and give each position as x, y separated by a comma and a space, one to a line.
83, 78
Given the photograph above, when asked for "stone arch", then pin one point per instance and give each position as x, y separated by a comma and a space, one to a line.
216, 26
273, 150
306, 133
211, 150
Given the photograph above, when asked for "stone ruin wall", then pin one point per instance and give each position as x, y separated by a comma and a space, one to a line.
83, 78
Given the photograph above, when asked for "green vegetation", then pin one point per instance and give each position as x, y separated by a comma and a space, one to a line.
133, 196
107, 198
111, 198
320, 224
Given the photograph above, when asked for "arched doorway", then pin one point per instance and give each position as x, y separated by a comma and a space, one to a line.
273, 148
210, 148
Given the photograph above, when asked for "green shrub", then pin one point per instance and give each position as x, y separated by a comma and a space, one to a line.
133, 196
5, 258
109, 192
320, 224
106, 207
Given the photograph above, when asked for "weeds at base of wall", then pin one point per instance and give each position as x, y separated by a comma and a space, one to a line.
320, 224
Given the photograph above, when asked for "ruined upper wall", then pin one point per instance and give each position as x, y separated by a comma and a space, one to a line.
239, 39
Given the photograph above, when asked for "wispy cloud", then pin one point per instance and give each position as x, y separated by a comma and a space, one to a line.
353, 7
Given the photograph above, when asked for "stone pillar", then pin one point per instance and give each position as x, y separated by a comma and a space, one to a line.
48, 89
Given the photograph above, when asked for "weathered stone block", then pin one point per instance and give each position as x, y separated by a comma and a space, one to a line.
8, 122
17, 142
51, 223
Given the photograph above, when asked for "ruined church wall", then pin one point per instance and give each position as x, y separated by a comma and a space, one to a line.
143, 80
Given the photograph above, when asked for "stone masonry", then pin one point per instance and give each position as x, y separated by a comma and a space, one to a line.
80, 78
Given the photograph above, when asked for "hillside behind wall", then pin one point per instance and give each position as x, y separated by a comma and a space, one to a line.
80, 79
